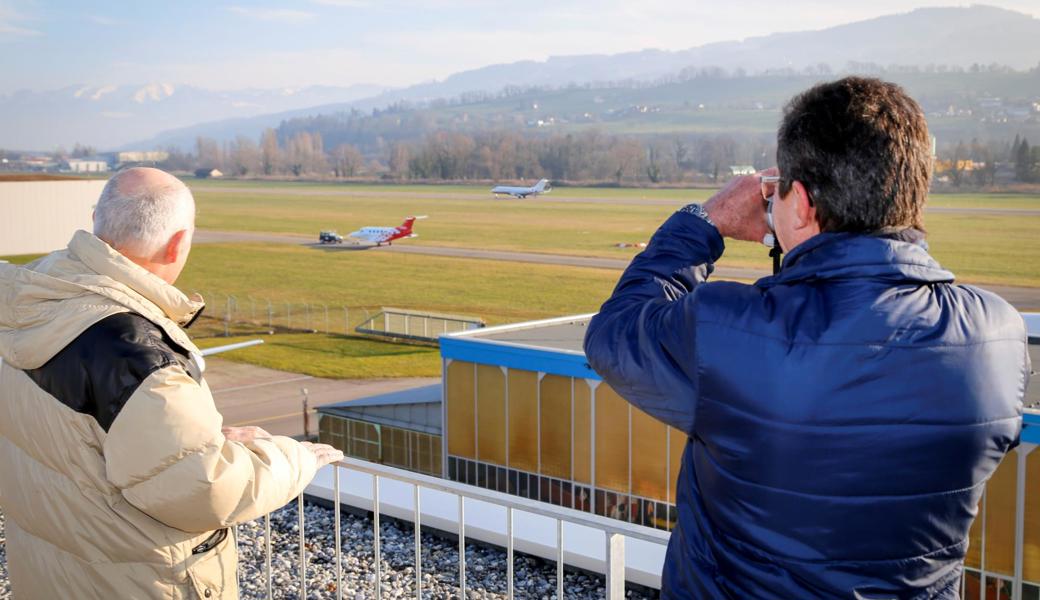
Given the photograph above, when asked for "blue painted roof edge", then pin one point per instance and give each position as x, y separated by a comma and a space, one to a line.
1031, 428
517, 357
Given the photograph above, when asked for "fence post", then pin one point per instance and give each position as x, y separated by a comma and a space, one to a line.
346, 320
227, 317
270, 316
288, 312
326, 306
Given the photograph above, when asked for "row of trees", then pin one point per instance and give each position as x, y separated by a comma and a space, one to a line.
977, 164
589, 156
586, 156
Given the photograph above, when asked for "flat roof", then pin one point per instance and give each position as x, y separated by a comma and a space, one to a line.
563, 336
417, 409
562, 333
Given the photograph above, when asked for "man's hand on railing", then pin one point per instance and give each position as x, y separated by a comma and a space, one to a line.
245, 435
325, 453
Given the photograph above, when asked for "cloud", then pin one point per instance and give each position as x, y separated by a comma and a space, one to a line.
103, 20
344, 3
10, 26
283, 15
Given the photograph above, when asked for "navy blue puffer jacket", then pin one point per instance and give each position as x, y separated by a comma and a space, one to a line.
843, 416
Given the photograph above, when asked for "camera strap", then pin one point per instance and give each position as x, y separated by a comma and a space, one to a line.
775, 253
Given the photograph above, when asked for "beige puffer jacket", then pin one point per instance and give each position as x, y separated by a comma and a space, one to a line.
117, 514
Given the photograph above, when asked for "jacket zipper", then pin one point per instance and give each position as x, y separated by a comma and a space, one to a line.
211, 542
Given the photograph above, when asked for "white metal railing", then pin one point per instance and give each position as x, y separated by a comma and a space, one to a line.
416, 325
615, 531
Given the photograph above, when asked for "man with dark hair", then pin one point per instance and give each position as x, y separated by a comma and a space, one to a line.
844, 414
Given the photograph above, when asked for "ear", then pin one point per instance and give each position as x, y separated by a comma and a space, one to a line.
175, 248
805, 212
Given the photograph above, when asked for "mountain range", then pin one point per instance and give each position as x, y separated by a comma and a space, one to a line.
161, 115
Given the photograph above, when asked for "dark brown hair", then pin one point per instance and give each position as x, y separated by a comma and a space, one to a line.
860, 146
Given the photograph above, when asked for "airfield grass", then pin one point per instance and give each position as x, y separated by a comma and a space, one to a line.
498, 292
981, 248
334, 356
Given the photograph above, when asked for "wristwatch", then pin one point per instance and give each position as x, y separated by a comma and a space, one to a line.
698, 210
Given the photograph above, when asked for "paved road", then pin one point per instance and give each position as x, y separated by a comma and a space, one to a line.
548, 199
1023, 298
251, 395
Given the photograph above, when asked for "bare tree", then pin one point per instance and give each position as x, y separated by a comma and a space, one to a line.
347, 161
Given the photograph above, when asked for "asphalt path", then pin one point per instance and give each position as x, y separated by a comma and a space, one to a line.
251, 395
1022, 298
549, 199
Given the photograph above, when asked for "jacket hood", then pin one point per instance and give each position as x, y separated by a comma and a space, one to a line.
46, 304
898, 256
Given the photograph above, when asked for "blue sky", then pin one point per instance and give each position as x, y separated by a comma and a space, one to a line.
238, 44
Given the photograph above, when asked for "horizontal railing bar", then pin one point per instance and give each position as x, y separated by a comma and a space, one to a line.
551, 511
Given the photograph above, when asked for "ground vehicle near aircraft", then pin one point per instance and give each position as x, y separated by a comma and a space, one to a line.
329, 237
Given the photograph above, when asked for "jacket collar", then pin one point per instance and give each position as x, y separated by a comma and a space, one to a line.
889, 255
105, 260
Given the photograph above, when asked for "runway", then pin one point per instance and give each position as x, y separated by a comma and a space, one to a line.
549, 199
1022, 298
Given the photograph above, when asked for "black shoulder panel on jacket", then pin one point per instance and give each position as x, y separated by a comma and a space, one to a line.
98, 372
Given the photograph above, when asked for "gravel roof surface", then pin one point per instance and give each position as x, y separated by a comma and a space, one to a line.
485, 572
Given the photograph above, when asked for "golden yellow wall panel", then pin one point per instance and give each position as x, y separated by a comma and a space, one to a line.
523, 420
649, 456
1031, 550
556, 426
491, 414
1000, 518
611, 440
461, 434
582, 431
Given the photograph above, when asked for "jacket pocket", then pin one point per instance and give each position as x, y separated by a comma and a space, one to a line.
213, 567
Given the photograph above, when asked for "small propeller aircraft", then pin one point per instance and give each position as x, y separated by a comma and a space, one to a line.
542, 187
386, 235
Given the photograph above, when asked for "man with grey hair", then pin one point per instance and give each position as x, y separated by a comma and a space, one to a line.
116, 475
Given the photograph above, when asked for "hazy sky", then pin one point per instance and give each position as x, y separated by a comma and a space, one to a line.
236, 43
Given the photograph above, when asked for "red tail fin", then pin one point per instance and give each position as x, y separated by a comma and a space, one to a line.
407, 225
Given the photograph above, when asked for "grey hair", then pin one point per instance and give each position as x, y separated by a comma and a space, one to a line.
141, 220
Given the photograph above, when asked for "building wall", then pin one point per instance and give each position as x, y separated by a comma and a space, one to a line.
394, 446
567, 440
40, 216
996, 518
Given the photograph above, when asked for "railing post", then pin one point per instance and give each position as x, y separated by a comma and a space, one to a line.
615, 566
326, 306
303, 551
462, 547
339, 543
375, 536
509, 552
418, 547
559, 561
1020, 517
267, 556
346, 320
